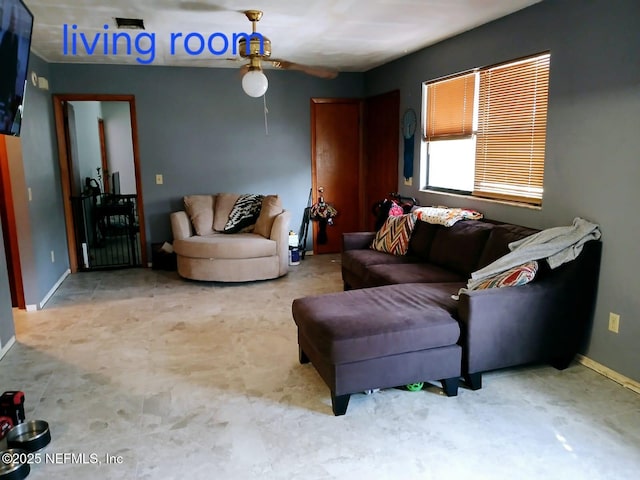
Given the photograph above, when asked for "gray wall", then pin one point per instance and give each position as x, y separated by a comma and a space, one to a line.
88, 140
592, 167
7, 328
198, 129
42, 175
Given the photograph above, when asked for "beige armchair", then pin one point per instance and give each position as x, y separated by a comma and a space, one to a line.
205, 252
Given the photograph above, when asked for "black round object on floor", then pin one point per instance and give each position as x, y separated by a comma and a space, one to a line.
14, 470
31, 436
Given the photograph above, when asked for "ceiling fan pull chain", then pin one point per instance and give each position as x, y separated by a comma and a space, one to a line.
266, 111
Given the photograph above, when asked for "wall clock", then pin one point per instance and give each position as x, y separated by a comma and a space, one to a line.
409, 121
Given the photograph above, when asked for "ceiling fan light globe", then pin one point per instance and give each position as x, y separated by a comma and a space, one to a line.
255, 83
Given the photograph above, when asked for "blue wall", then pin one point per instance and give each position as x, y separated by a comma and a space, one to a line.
199, 130
592, 168
41, 218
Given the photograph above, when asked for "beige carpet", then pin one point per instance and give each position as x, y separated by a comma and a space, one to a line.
179, 379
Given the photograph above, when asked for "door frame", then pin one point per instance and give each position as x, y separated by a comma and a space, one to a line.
65, 164
10, 231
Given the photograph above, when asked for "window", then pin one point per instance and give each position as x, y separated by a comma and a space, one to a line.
484, 131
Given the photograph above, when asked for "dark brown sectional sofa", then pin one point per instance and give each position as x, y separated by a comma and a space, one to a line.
544, 321
397, 322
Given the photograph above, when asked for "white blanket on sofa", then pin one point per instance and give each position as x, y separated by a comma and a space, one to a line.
557, 245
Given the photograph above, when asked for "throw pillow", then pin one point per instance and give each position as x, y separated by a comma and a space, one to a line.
271, 208
222, 208
199, 208
244, 212
394, 235
513, 277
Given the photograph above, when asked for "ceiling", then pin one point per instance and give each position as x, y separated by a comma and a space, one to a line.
346, 35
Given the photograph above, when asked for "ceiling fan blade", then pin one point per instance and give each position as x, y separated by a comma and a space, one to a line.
194, 6
319, 72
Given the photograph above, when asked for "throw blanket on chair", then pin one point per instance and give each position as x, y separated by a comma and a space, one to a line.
557, 245
444, 215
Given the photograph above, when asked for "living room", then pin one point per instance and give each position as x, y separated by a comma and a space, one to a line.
199, 130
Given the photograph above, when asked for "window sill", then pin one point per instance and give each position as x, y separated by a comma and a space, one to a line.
481, 199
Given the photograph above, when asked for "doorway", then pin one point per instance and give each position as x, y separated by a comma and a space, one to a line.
100, 174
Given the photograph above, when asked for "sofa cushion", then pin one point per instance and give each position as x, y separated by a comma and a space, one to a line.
199, 208
217, 245
421, 239
458, 247
520, 275
271, 208
394, 235
359, 261
222, 208
244, 212
498, 243
377, 275
376, 322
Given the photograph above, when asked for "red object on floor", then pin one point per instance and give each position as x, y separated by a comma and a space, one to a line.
12, 406
5, 425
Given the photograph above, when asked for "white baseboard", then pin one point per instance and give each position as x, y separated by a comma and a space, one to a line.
610, 374
52, 291
5, 348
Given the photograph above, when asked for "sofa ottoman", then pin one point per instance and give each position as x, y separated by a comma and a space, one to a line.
373, 338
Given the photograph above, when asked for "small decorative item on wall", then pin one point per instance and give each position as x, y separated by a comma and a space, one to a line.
409, 121
323, 213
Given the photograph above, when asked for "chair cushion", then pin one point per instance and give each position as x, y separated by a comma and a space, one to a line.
410, 273
458, 247
498, 243
377, 322
359, 261
222, 208
199, 208
271, 208
216, 245
422, 238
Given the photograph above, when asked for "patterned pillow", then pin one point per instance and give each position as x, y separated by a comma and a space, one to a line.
394, 235
244, 212
513, 277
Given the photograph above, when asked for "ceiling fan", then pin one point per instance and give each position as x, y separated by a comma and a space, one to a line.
254, 81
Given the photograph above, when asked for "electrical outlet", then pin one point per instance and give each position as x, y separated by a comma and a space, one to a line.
53, 257
614, 322
30, 195
159, 179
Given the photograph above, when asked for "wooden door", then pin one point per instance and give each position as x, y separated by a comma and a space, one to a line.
336, 148
381, 130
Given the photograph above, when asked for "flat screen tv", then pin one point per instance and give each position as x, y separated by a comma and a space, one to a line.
16, 26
